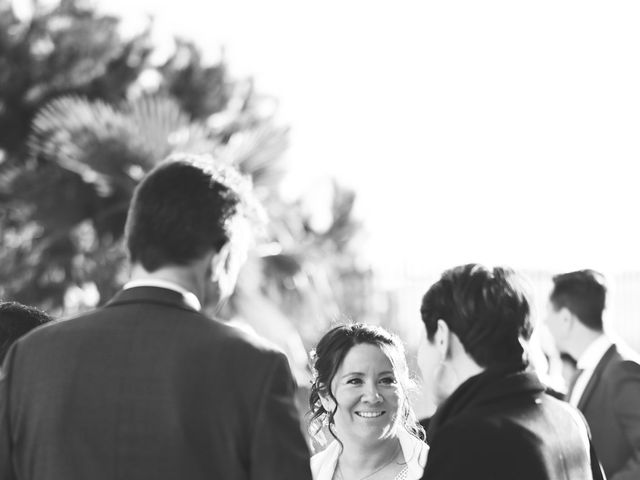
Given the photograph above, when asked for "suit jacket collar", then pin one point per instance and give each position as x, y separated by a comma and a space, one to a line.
597, 374
490, 388
189, 297
593, 354
154, 295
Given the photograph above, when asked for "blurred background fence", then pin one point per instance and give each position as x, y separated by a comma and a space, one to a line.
622, 315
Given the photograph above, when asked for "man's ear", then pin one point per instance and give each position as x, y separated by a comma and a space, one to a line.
219, 263
567, 318
442, 339
221, 271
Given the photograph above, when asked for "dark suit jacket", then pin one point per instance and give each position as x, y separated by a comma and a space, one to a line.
611, 405
503, 426
148, 388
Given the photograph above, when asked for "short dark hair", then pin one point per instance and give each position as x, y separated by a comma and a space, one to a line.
181, 210
583, 293
486, 308
331, 352
16, 320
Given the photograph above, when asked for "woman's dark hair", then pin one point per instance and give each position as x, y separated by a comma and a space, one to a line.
17, 320
487, 309
328, 357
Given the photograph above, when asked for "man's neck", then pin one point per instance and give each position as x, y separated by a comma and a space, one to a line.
582, 341
465, 368
460, 366
184, 277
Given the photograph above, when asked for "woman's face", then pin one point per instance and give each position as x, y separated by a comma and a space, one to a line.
368, 395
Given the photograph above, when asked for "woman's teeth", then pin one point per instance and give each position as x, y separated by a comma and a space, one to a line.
369, 414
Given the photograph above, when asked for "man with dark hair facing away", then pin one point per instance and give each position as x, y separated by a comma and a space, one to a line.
147, 387
494, 419
606, 387
17, 320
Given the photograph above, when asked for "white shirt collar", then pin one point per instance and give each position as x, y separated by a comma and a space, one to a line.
594, 353
189, 297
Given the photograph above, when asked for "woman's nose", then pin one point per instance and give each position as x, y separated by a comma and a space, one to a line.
371, 395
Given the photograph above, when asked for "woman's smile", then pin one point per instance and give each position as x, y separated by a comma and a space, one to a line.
369, 414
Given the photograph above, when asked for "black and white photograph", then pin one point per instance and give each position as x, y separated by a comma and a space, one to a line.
346, 240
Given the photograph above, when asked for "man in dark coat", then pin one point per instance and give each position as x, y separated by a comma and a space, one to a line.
147, 387
494, 420
606, 388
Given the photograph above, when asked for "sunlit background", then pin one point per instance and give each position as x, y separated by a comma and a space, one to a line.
498, 132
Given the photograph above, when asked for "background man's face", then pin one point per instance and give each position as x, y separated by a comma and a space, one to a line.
558, 324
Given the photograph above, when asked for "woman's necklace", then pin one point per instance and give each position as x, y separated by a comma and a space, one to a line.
377, 470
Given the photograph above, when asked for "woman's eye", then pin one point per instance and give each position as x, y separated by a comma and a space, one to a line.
388, 381
354, 381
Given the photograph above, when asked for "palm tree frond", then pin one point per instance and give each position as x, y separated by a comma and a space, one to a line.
258, 153
91, 139
164, 127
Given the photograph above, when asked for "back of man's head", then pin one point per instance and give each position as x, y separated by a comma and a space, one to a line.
583, 293
15, 321
183, 209
487, 309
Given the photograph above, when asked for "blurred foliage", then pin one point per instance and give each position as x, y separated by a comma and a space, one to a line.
85, 112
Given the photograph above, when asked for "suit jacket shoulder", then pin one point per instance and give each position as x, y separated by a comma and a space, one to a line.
491, 447
541, 439
190, 396
610, 405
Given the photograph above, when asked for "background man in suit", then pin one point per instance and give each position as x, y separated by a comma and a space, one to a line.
16, 320
147, 387
607, 384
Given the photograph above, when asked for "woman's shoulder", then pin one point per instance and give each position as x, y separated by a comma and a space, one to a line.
415, 453
323, 463
323, 455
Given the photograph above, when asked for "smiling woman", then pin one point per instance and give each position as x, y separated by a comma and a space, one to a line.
359, 396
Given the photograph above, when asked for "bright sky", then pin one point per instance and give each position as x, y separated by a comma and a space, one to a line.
495, 131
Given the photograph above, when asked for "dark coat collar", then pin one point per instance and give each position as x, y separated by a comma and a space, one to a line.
490, 388
597, 374
155, 295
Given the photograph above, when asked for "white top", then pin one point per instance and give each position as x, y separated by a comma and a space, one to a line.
323, 464
588, 362
189, 297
